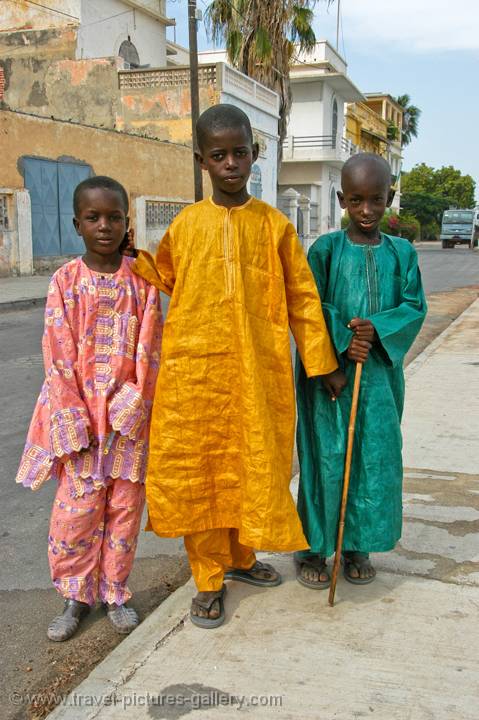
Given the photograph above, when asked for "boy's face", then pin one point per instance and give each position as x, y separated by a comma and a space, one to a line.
227, 155
101, 220
365, 195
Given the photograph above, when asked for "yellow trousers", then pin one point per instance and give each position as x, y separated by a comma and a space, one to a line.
212, 552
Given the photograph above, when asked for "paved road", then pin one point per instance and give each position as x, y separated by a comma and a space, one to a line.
447, 269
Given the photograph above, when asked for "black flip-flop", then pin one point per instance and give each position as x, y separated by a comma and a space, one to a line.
209, 623
319, 565
358, 560
247, 576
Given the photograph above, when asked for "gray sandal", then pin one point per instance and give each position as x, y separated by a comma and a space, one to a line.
358, 560
248, 576
64, 626
124, 619
205, 622
318, 564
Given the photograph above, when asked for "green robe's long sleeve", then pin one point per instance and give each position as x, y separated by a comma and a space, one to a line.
382, 283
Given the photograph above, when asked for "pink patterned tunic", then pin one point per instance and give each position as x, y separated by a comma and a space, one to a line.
101, 348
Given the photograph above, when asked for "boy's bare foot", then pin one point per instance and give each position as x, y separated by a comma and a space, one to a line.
357, 568
207, 608
313, 572
64, 626
124, 619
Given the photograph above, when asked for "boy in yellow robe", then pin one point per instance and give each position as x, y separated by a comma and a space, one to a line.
223, 418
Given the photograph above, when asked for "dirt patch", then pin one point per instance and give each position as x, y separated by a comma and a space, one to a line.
36, 673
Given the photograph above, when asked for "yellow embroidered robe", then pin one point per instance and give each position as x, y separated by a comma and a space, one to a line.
222, 429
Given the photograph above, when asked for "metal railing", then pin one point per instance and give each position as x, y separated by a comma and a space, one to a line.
328, 142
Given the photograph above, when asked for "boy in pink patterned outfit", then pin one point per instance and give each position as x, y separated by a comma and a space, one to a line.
89, 431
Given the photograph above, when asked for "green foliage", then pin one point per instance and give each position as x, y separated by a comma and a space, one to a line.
425, 206
410, 120
426, 193
446, 183
404, 225
393, 131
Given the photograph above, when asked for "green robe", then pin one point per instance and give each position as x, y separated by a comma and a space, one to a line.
381, 283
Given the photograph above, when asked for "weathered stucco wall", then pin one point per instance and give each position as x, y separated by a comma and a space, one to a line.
19, 14
145, 167
42, 77
163, 113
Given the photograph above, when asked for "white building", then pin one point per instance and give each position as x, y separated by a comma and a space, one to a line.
315, 148
132, 29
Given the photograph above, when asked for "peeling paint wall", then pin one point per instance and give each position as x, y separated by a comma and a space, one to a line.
19, 14
42, 77
162, 113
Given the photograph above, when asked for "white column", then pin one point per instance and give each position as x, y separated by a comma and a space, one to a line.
305, 205
23, 211
289, 205
140, 224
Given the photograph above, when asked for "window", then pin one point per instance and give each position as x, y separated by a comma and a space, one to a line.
160, 213
332, 208
256, 188
129, 53
458, 216
334, 125
3, 213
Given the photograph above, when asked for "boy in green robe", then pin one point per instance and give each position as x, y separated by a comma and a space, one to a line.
374, 305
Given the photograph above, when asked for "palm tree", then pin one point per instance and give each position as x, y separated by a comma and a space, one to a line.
410, 121
260, 38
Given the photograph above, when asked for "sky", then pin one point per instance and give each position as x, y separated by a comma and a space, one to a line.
428, 49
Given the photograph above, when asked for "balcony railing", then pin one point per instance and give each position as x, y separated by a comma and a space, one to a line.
300, 147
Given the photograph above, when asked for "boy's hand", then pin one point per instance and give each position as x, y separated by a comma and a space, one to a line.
334, 383
128, 245
363, 329
358, 350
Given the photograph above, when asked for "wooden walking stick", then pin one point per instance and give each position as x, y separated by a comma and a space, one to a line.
347, 473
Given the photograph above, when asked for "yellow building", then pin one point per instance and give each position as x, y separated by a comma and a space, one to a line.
366, 129
375, 125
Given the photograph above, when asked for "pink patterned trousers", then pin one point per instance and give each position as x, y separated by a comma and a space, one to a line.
92, 541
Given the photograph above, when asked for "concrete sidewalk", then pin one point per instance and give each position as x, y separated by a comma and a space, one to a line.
403, 648
19, 292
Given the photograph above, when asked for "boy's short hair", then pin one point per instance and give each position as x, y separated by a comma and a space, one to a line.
377, 162
221, 117
99, 181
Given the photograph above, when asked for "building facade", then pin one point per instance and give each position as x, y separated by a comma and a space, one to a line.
316, 146
86, 90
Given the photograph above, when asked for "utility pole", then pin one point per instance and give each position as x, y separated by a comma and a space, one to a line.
337, 26
195, 99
